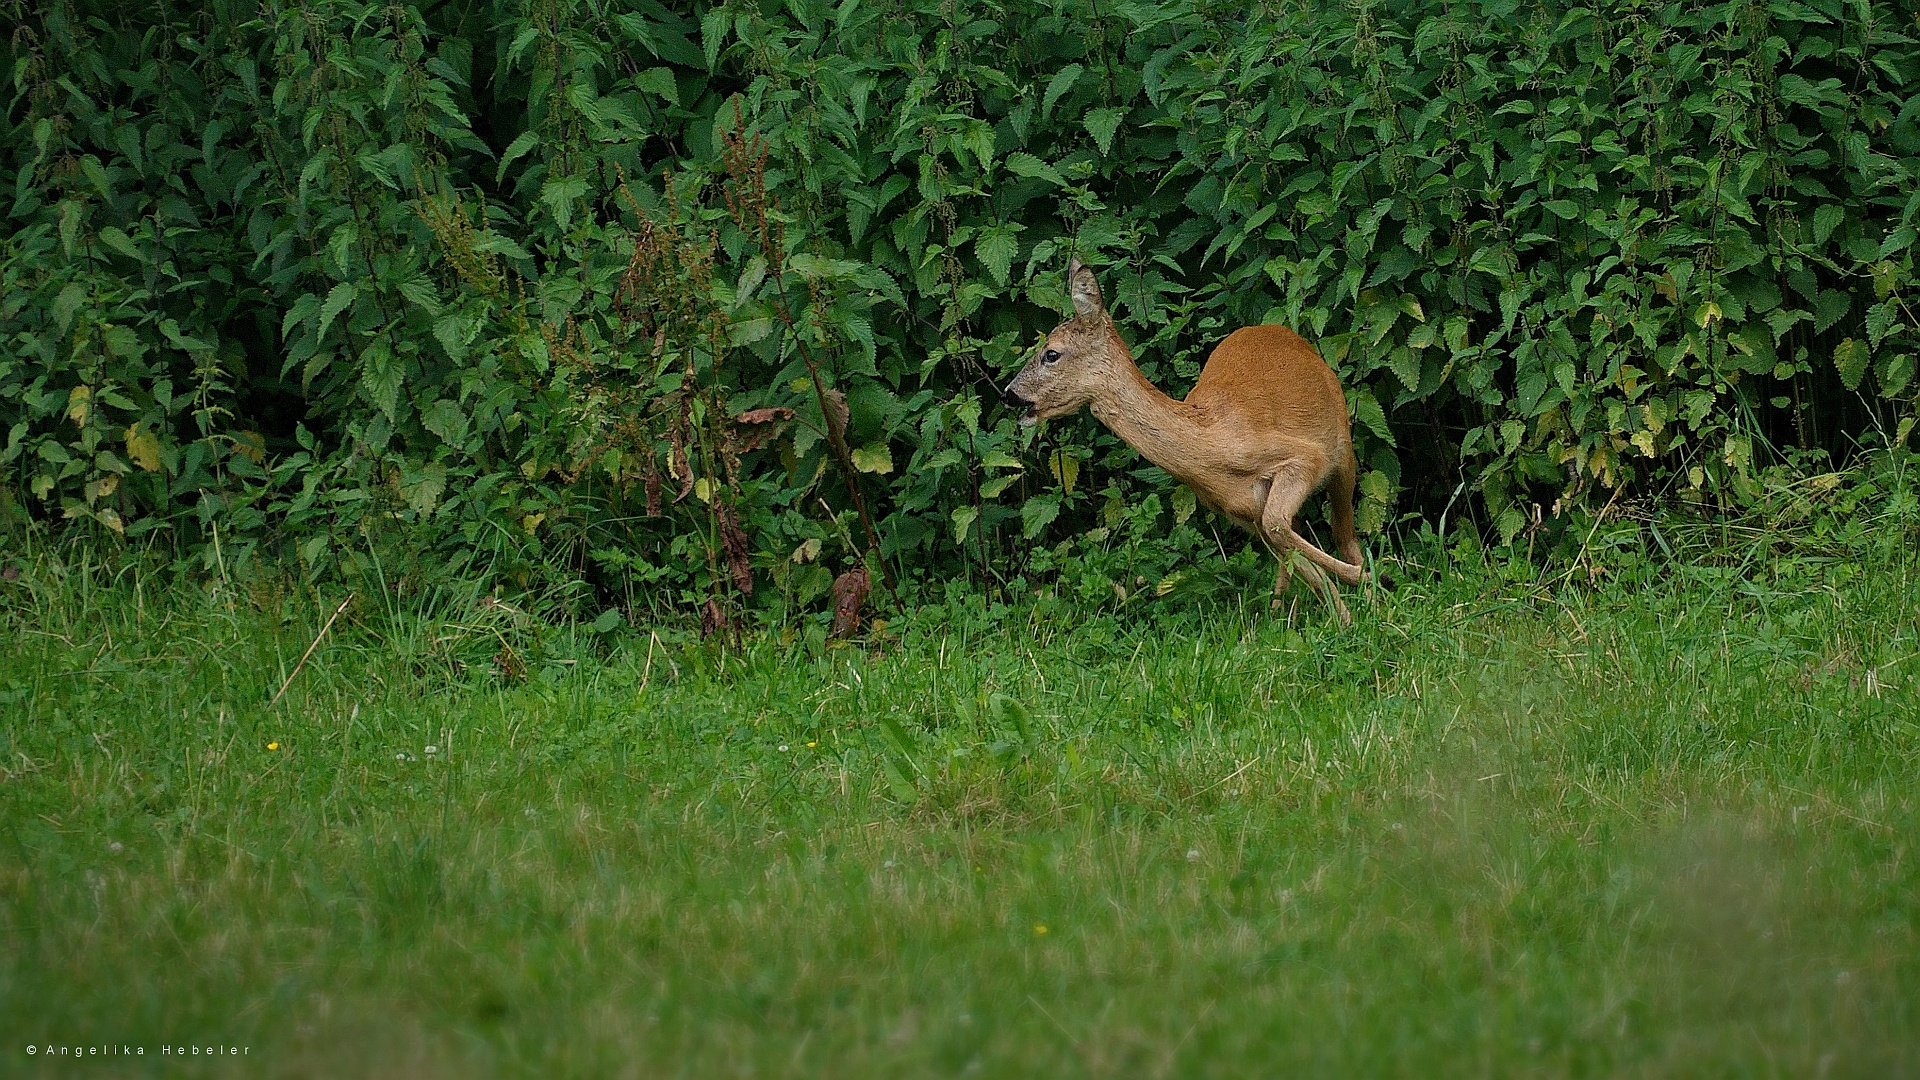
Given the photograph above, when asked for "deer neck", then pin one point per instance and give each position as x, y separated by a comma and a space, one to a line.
1165, 431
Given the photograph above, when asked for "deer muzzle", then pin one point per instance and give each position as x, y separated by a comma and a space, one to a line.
1011, 399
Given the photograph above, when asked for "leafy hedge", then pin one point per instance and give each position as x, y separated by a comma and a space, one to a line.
681, 293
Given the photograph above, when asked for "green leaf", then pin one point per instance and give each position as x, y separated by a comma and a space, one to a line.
713, 33
874, 458
452, 331
338, 300
444, 419
659, 81
67, 304
302, 310
996, 248
1025, 164
1825, 220
422, 489
380, 378
979, 139
1851, 358
1184, 504
121, 243
1367, 410
963, 517
1406, 365
897, 781
1038, 513
1062, 82
1376, 494
1895, 373
515, 150
1101, 124
558, 195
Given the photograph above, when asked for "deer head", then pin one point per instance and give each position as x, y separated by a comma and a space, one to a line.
1076, 362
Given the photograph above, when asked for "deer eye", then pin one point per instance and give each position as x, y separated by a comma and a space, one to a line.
1050, 356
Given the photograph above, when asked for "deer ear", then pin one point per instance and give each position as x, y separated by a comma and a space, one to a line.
1085, 291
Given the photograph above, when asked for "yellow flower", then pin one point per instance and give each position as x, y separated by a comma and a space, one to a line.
1040, 928
273, 746
813, 744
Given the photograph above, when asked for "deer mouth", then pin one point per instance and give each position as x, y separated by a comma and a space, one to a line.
1029, 414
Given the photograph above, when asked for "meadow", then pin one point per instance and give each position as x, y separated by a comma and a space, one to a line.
1645, 811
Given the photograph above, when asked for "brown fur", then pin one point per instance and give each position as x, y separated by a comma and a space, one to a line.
1265, 426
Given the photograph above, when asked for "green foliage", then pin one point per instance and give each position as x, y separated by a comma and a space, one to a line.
677, 294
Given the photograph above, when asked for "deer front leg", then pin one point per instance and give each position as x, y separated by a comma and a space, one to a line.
1289, 488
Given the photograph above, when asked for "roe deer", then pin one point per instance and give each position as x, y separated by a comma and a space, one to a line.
1265, 426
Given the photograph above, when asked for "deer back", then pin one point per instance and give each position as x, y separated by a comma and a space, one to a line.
1267, 378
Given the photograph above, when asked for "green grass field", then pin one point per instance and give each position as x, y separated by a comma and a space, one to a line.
1654, 822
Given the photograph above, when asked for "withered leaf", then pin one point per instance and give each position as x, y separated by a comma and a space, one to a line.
765, 423
712, 618
837, 415
762, 416
733, 539
849, 594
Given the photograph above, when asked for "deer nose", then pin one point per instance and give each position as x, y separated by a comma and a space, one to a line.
1011, 398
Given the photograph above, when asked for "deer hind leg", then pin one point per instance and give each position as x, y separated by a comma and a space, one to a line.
1340, 502
1290, 487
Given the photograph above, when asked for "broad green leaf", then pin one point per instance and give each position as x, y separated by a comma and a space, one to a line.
1184, 504
659, 81
143, 448
120, 242
1038, 513
963, 518
1825, 220
1367, 410
874, 458
713, 33
1025, 164
1406, 365
380, 379
302, 310
1102, 123
67, 304
559, 194
339, 298
516, 149
1896, 372
1851, 359
1061, 82
446, 421
979, 141
1065, 468
996, 248
422, 489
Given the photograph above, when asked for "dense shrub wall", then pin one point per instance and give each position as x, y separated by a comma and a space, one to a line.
496, 281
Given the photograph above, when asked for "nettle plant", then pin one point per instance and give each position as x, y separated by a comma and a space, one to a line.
709, 302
